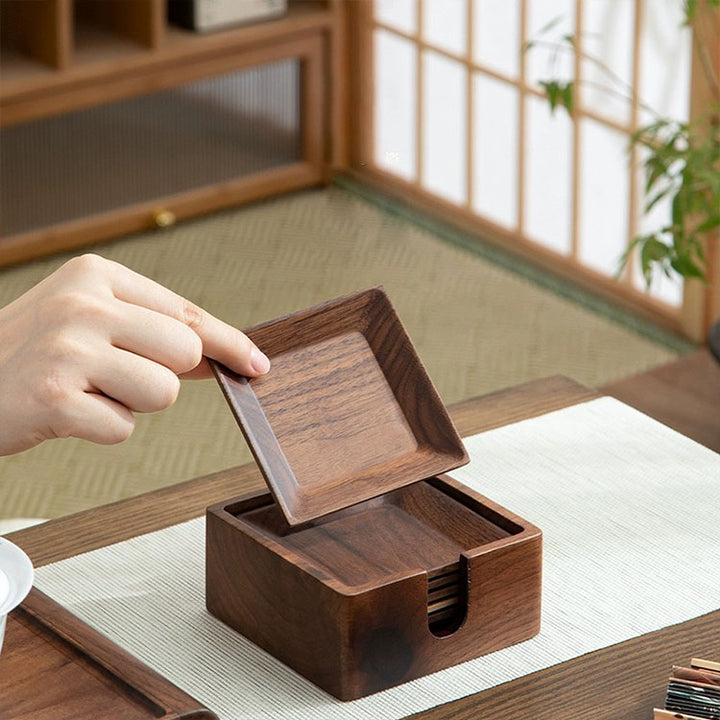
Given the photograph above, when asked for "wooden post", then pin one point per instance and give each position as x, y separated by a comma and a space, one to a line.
701, 303
360, 82
339, 89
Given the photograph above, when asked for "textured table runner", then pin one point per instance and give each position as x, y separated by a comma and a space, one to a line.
630, 512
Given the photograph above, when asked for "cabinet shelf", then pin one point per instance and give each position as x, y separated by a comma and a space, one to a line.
17, 69
96, 53
95, 44
89, 118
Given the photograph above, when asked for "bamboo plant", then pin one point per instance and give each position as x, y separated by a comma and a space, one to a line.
681, 160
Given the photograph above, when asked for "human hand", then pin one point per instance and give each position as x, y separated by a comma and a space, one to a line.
94, 343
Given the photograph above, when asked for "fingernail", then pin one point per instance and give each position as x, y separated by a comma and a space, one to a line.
259, 361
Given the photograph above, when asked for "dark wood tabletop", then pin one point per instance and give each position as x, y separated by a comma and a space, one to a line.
623, 681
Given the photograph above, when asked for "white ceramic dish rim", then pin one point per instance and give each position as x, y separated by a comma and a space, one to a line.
15, 565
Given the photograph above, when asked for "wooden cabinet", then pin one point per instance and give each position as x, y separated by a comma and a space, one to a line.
97, 98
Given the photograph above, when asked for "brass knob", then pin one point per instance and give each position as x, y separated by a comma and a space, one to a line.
164, 218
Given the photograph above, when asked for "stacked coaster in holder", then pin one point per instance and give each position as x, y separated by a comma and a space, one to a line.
446, 598
693, 693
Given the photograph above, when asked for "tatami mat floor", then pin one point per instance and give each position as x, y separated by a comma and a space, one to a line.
476, 326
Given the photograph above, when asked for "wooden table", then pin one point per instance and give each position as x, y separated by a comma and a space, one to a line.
683, 394
622, 681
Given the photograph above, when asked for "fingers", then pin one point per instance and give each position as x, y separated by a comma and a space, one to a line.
227, 345
141, 385
220, 341
157, 337
94, 417
97, 397
100, 419
95, 342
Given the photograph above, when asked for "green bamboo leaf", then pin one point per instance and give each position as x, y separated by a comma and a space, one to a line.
652, 202
553, 24
653, 251
695, 200
655, 169
567, 96
626, 255
678, 210
552, 88
710, 224
695, 246
687, 267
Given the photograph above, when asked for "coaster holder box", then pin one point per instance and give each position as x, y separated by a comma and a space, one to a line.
365, 566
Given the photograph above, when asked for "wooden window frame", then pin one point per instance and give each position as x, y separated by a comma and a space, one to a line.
701, 304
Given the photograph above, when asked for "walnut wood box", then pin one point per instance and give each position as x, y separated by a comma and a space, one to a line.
364, 566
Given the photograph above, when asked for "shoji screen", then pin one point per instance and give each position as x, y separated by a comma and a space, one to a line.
459, 113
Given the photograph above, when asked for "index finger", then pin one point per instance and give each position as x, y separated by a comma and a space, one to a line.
220, 341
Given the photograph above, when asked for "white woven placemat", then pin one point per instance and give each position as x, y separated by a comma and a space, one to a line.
631, 517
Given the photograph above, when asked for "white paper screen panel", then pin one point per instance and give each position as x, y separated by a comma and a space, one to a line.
664, 61
459, 113
548, 20
604, 196
445, 24
664, 86
400, 14
607, 30
444, 118
548, 184
496, 36
495, 159
395, 104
